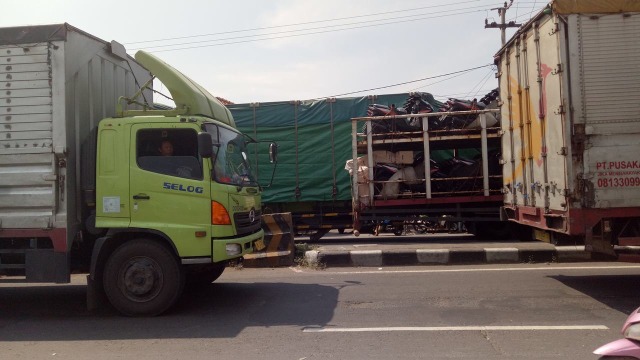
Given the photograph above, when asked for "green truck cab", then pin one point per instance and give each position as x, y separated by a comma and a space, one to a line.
175, 197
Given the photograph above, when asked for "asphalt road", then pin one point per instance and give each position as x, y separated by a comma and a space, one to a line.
524, 311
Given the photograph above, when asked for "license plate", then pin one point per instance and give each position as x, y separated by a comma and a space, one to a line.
259, 245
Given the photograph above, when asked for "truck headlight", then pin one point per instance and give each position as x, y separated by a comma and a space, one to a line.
633, 332
233, 249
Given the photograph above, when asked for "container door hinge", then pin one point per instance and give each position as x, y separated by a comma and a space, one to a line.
557, 70
563, 151
560, 110
61, 185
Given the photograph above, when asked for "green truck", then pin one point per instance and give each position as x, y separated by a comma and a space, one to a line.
145, 200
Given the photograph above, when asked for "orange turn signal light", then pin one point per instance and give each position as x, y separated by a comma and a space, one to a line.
219, 214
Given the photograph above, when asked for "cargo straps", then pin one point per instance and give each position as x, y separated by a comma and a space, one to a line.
297, 193
334, 188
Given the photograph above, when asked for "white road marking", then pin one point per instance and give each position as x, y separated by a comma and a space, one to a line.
312, 329
475, 269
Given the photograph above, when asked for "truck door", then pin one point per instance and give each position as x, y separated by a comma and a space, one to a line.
168, 191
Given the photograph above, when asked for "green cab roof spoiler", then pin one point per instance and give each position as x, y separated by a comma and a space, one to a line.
190, 98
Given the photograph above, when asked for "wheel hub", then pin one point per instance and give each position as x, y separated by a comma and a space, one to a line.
142, 279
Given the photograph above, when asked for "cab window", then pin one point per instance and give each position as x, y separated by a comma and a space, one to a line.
172, 152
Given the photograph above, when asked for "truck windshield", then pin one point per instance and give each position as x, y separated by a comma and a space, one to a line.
230, 157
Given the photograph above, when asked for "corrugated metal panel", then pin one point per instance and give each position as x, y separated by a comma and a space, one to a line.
27, 180
26, 191
52, 94
25, 100
610, 68
595, 6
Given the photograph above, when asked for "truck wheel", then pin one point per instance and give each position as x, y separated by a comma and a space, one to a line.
397, 227
142, 278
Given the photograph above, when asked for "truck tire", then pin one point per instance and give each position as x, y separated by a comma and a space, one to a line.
142, 278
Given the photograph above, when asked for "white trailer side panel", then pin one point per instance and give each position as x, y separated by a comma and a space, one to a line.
598, 67
606, 99
551, 162
53, 93
514, 170
533, 147
25, 101
28, 197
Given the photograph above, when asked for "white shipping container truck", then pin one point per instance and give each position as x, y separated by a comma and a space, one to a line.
570, 113
56, 83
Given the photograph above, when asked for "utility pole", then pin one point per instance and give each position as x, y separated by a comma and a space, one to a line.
502, 11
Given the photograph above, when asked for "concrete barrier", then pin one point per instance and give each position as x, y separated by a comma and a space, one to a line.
278, 239
449, 256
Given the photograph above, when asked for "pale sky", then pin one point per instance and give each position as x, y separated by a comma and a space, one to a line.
318, 48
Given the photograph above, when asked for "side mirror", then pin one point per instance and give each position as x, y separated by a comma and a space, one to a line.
273, 152
205, 145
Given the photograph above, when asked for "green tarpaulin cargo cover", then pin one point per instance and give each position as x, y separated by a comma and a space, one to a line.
314, 143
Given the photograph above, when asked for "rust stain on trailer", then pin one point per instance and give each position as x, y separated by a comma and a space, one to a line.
531, 142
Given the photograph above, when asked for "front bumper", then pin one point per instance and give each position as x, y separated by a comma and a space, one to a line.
240, 246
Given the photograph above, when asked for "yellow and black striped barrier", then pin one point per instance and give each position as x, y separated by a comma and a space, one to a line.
278, 239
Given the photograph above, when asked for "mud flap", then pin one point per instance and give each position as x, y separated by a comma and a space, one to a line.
600, 244
96, 298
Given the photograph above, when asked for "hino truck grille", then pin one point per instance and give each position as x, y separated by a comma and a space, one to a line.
247, 222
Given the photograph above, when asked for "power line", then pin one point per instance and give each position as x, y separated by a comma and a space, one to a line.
532, 8
447, 96
529, 15
311, 33
486, 78
312, 28
409, 82
439, 81
480, 83
303, 23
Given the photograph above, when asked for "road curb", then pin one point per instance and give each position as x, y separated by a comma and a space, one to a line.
376, 258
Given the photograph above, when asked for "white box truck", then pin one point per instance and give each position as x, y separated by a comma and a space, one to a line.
570, 118
56, 83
